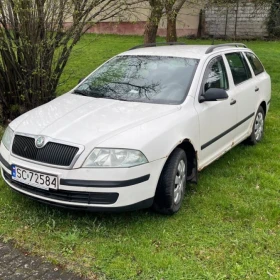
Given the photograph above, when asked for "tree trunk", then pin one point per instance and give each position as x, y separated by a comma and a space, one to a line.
151, 27
171, 33
172, 9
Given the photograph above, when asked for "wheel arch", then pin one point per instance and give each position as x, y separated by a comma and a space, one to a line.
264, 106
191, 153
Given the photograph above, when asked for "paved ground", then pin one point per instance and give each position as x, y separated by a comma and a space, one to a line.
14, 265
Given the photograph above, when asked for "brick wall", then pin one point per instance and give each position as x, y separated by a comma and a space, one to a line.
239, 20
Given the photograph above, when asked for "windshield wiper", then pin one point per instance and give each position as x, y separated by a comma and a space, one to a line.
80, 92
120, 99
96, 94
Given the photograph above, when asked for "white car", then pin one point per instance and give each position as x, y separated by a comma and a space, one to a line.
133, 132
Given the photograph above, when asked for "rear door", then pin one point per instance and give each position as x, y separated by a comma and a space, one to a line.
245, 93
262, 79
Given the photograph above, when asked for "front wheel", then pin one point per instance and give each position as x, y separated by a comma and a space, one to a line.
172, 184
258, 128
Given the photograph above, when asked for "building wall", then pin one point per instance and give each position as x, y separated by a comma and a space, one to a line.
246, 20
187, 20
133, 22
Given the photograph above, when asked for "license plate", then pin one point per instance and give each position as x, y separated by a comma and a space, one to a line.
34, 178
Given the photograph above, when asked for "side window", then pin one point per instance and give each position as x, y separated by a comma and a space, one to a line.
239, 67
215, 75
255, 63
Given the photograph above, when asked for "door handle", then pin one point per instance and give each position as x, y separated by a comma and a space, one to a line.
256, 89
232, 102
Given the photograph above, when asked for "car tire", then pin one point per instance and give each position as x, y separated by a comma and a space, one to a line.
258, 128
172, 184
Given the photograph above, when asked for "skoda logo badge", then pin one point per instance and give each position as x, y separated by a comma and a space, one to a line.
40, 141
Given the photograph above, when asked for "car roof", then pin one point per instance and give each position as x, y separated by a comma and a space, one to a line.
186, 51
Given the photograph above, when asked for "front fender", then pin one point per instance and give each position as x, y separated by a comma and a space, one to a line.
158, 138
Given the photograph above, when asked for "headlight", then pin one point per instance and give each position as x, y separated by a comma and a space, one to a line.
115, 158
7, 138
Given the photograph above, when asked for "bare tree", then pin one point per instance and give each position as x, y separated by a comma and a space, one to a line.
151, 28
158, 8
35, 45
172, 8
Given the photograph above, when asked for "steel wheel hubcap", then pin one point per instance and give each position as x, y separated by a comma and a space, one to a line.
258, 126
180, 182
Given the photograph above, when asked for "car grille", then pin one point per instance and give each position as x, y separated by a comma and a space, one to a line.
65, 195
51, 153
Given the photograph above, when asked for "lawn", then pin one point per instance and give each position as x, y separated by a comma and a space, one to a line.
228, 227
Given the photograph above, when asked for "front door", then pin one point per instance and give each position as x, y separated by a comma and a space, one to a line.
216, 118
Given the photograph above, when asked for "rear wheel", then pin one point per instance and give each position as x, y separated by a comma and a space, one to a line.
258, 128
172, 184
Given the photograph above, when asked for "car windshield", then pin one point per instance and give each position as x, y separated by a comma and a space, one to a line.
152, 79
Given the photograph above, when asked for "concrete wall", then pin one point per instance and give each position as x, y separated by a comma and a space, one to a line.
246, 20
242, 19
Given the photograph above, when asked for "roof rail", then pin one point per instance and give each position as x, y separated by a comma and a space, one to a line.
210, 49
157, 44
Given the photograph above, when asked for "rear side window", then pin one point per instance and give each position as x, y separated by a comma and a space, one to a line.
215, 75
255, 63
239, 67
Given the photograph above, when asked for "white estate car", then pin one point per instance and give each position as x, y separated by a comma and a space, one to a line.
136, 129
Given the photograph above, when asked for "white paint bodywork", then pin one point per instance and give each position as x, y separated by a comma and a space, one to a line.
154, 129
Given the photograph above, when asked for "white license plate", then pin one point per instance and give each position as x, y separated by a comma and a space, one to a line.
34, 178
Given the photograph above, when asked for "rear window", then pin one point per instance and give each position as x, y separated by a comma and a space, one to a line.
255, 63
239, 67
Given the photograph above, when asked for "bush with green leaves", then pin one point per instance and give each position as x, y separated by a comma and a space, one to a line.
35, 45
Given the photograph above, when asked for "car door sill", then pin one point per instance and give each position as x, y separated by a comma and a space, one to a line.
224, 152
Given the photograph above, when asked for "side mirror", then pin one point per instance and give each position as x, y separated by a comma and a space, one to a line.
213, 94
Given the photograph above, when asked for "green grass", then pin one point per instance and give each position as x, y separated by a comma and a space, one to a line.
228, 227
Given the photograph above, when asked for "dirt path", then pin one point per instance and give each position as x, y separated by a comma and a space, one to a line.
14, 265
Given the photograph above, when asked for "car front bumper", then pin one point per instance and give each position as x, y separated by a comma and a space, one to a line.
96, 189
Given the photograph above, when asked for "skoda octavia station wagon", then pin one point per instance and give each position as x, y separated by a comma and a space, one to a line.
133, 132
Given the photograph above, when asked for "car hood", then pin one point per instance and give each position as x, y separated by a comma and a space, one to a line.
83, 120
